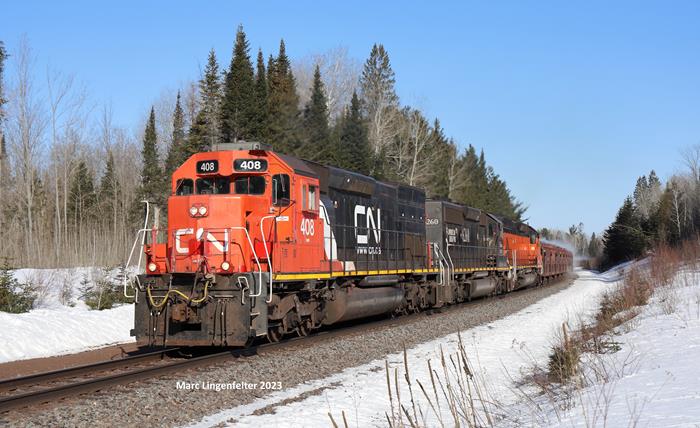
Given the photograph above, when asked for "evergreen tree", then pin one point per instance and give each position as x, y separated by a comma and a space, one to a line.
594, 246
259, 130
109, 195
438, 185
176, 153
151, 176
484, 189
238, 110
377, 82
667, 230
379, 101
353, 150
283, 105
82, 201
624, 239
205, 130
108, 184
316, 131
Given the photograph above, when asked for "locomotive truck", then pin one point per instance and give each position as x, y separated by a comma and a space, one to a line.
259, 243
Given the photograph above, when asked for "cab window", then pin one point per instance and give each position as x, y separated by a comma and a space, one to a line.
310, 193
213, 186
533, 238
249, 185
280, 190
185, 186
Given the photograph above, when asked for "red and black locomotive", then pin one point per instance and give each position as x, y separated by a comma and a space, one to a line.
258, 243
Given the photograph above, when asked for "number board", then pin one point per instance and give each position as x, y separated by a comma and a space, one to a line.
207, 167
250, 165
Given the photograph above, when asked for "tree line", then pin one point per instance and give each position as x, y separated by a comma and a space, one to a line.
575, 238
657, 213
74, 180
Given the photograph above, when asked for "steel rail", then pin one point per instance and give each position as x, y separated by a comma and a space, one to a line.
39, 378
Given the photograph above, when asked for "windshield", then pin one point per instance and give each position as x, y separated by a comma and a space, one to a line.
249, 185
213, 186
185, 186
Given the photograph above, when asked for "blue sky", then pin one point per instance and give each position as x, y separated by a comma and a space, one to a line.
571, 101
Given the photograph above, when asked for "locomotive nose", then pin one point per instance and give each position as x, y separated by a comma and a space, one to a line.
204, 230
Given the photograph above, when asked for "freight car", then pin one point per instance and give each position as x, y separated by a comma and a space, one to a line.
259, 243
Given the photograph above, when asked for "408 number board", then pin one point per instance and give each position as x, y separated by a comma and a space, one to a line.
250, 165
208, 167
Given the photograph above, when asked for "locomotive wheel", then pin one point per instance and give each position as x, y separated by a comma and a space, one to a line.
274, 334
303, 328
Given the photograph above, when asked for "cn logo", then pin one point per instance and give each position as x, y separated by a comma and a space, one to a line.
200, 235
375, 227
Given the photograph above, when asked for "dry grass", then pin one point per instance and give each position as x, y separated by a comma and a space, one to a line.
578, 373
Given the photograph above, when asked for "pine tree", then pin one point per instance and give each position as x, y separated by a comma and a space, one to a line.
317, 136
353, 150
624, 239
594, 246
667, 231
283, 105
82, 201
109, 195
205, 131
238, 103
379, 99
377, 81
176, 153
438, 185
484, 189
151, 176
259, 129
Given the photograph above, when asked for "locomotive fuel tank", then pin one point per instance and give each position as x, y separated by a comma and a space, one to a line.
482, 287
359, 302
526, 280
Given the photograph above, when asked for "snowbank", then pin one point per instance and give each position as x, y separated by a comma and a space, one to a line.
653, 379
512, 342
49, 332
61, 323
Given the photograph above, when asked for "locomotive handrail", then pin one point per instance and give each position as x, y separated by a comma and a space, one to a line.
441, 265
131, 253
267, 254
447, 251
257, 261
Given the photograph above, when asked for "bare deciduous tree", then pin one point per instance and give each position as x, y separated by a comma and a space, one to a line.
339, 72
26, 127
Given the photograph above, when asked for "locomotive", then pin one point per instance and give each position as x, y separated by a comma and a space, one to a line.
259, 243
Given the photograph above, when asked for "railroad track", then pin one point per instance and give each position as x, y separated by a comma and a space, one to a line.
41, 388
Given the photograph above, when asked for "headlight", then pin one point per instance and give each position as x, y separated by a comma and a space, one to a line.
225, 265
193, 211
202, 210
152, 267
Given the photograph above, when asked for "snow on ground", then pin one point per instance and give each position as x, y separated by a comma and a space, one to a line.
61, 323
653, 380
48, 332
62, 287
513, 342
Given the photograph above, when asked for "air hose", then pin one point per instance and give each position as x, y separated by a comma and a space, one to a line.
181, 294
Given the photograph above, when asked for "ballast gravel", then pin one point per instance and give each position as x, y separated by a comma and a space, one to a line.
158, 402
